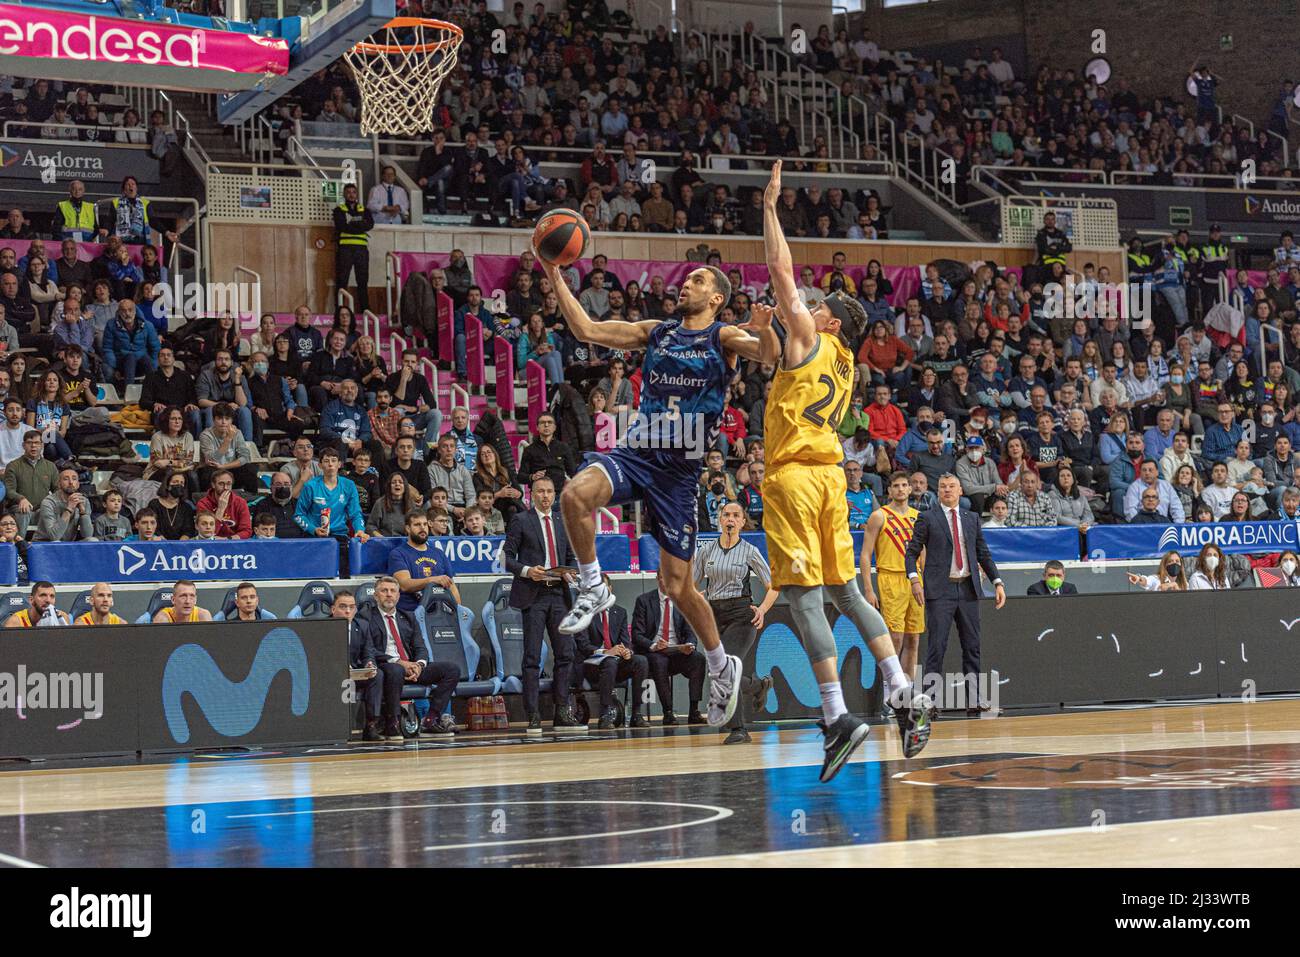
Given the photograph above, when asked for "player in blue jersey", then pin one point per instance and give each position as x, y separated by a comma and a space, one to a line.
689, 361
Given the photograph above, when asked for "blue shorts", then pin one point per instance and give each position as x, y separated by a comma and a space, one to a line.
667, 484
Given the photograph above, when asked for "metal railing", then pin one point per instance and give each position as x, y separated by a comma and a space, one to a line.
459, 398
21, 125
257, 290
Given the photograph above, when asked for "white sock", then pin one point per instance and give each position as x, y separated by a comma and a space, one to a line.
589, 574
895, 678
832, 701
717, 658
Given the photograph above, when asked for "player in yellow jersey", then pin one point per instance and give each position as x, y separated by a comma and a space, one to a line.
40, 611
184, 607
101, 607
889, 529
805, 511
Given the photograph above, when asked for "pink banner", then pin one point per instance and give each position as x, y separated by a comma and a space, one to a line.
474, 369
446, 330
504, 366
536, 378
86, 252
56, 35
494, 273
408, 263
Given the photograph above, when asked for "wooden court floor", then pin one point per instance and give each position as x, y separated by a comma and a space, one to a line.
1197, 784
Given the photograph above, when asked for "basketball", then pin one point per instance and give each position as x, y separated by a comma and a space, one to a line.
561, 237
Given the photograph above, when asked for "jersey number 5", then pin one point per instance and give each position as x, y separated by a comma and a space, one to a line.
814, 412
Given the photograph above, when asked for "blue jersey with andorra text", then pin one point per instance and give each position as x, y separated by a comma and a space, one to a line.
685, 372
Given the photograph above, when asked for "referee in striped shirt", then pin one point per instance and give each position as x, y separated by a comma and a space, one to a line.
722, 568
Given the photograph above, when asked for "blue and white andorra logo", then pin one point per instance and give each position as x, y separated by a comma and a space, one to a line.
196, 561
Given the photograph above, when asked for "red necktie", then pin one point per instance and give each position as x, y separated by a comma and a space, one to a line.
604, 624
668, 617
956, 540
550, 544
397, 638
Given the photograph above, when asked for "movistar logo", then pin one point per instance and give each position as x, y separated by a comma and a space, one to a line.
779, 647
233, 708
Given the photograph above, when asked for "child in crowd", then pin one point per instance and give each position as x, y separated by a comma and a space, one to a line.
146, 527
205, 525
111, 525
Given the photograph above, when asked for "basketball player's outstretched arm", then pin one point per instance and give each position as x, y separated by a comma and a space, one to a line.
800, 329
755, 339
611, 333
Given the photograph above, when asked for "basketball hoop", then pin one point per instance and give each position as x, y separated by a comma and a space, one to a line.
399, 71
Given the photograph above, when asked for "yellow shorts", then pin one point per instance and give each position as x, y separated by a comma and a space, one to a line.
901, 612
806, 520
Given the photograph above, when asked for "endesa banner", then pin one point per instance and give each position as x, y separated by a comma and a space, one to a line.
40, 32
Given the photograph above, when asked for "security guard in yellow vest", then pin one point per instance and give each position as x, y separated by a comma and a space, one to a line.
352, 222
1140, 266
1052, 245
78, 216
1214, 263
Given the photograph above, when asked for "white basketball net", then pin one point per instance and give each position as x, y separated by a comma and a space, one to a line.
399, 71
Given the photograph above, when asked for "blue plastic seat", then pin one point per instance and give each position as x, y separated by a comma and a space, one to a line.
11, 603
80, 605
161, 598
228, 609
446, 632
314, 601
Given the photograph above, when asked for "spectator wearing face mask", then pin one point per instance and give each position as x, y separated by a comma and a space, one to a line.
1289, 565
1168, 577
281, 505
1053, 583
1211, 570
978, 475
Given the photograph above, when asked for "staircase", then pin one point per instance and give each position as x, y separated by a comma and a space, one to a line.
216, 142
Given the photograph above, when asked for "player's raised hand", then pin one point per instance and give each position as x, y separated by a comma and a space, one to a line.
773, 191
760, 317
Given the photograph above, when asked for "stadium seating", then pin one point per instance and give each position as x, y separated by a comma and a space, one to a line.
314, 601
162, 598
446, 631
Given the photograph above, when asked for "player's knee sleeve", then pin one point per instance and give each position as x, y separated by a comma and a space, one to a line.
808, 613
848, 600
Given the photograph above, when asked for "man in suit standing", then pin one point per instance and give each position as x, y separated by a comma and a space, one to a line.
605, 658
662, 634
1053, 582
371, 690
535, 542
955, 550
394, 640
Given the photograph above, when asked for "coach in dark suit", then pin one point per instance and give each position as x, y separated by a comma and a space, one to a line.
361, 656
955, 550
394, 644
536, 541
608, 636
662, 634
1053, 583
